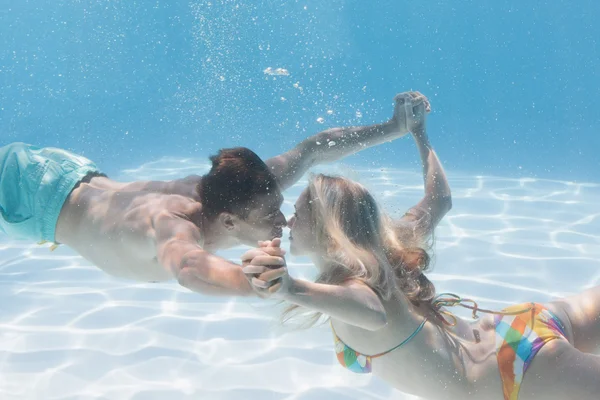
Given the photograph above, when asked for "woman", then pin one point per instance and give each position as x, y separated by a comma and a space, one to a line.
384, 314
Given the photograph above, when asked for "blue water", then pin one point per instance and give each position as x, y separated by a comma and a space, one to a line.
148, 89
514, 86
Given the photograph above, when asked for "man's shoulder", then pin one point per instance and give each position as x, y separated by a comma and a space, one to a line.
174, 206
187, 186
176, 222
157, 209
192, 178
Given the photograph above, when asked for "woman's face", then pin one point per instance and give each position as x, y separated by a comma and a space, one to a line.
302, 231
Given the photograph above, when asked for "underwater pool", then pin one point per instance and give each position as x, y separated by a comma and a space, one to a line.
148, 90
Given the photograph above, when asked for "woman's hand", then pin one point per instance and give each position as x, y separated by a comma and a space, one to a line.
265, 248
266, 269
410, 111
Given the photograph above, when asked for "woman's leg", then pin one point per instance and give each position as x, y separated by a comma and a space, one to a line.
559, 371
582, 312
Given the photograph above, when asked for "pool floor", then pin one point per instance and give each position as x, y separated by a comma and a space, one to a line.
69, 331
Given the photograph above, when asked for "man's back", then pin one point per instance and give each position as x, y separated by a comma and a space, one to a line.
113, 225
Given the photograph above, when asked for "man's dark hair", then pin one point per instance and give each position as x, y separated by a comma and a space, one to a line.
236, 177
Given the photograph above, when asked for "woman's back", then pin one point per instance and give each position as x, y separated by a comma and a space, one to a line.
437, 362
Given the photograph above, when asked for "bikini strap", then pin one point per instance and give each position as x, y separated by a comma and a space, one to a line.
412, 335
452, 300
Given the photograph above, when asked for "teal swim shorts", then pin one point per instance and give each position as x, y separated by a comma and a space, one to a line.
34, 184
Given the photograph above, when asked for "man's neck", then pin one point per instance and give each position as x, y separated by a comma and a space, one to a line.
215, 237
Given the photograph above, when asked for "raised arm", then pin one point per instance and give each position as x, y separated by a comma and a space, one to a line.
334, 144
437, 201
194, 268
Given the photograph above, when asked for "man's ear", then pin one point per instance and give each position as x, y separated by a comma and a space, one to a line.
229, 221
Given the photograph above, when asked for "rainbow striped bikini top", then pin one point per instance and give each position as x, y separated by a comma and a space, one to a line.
361, 363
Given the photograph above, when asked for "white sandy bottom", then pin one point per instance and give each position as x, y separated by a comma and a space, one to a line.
68, 331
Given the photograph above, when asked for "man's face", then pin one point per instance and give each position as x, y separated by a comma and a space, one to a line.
265, 221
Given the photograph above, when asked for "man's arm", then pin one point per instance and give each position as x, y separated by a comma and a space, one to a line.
334, 144
195, 268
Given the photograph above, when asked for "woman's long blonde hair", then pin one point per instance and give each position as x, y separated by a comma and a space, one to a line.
361, 243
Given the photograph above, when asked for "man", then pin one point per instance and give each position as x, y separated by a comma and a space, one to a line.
159, 230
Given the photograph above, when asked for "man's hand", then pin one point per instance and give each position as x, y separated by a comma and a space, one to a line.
410, 111
275, 281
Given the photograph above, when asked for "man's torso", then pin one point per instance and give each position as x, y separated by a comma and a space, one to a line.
113, 224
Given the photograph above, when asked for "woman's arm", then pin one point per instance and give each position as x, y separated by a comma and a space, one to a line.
355, 303
437, 201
